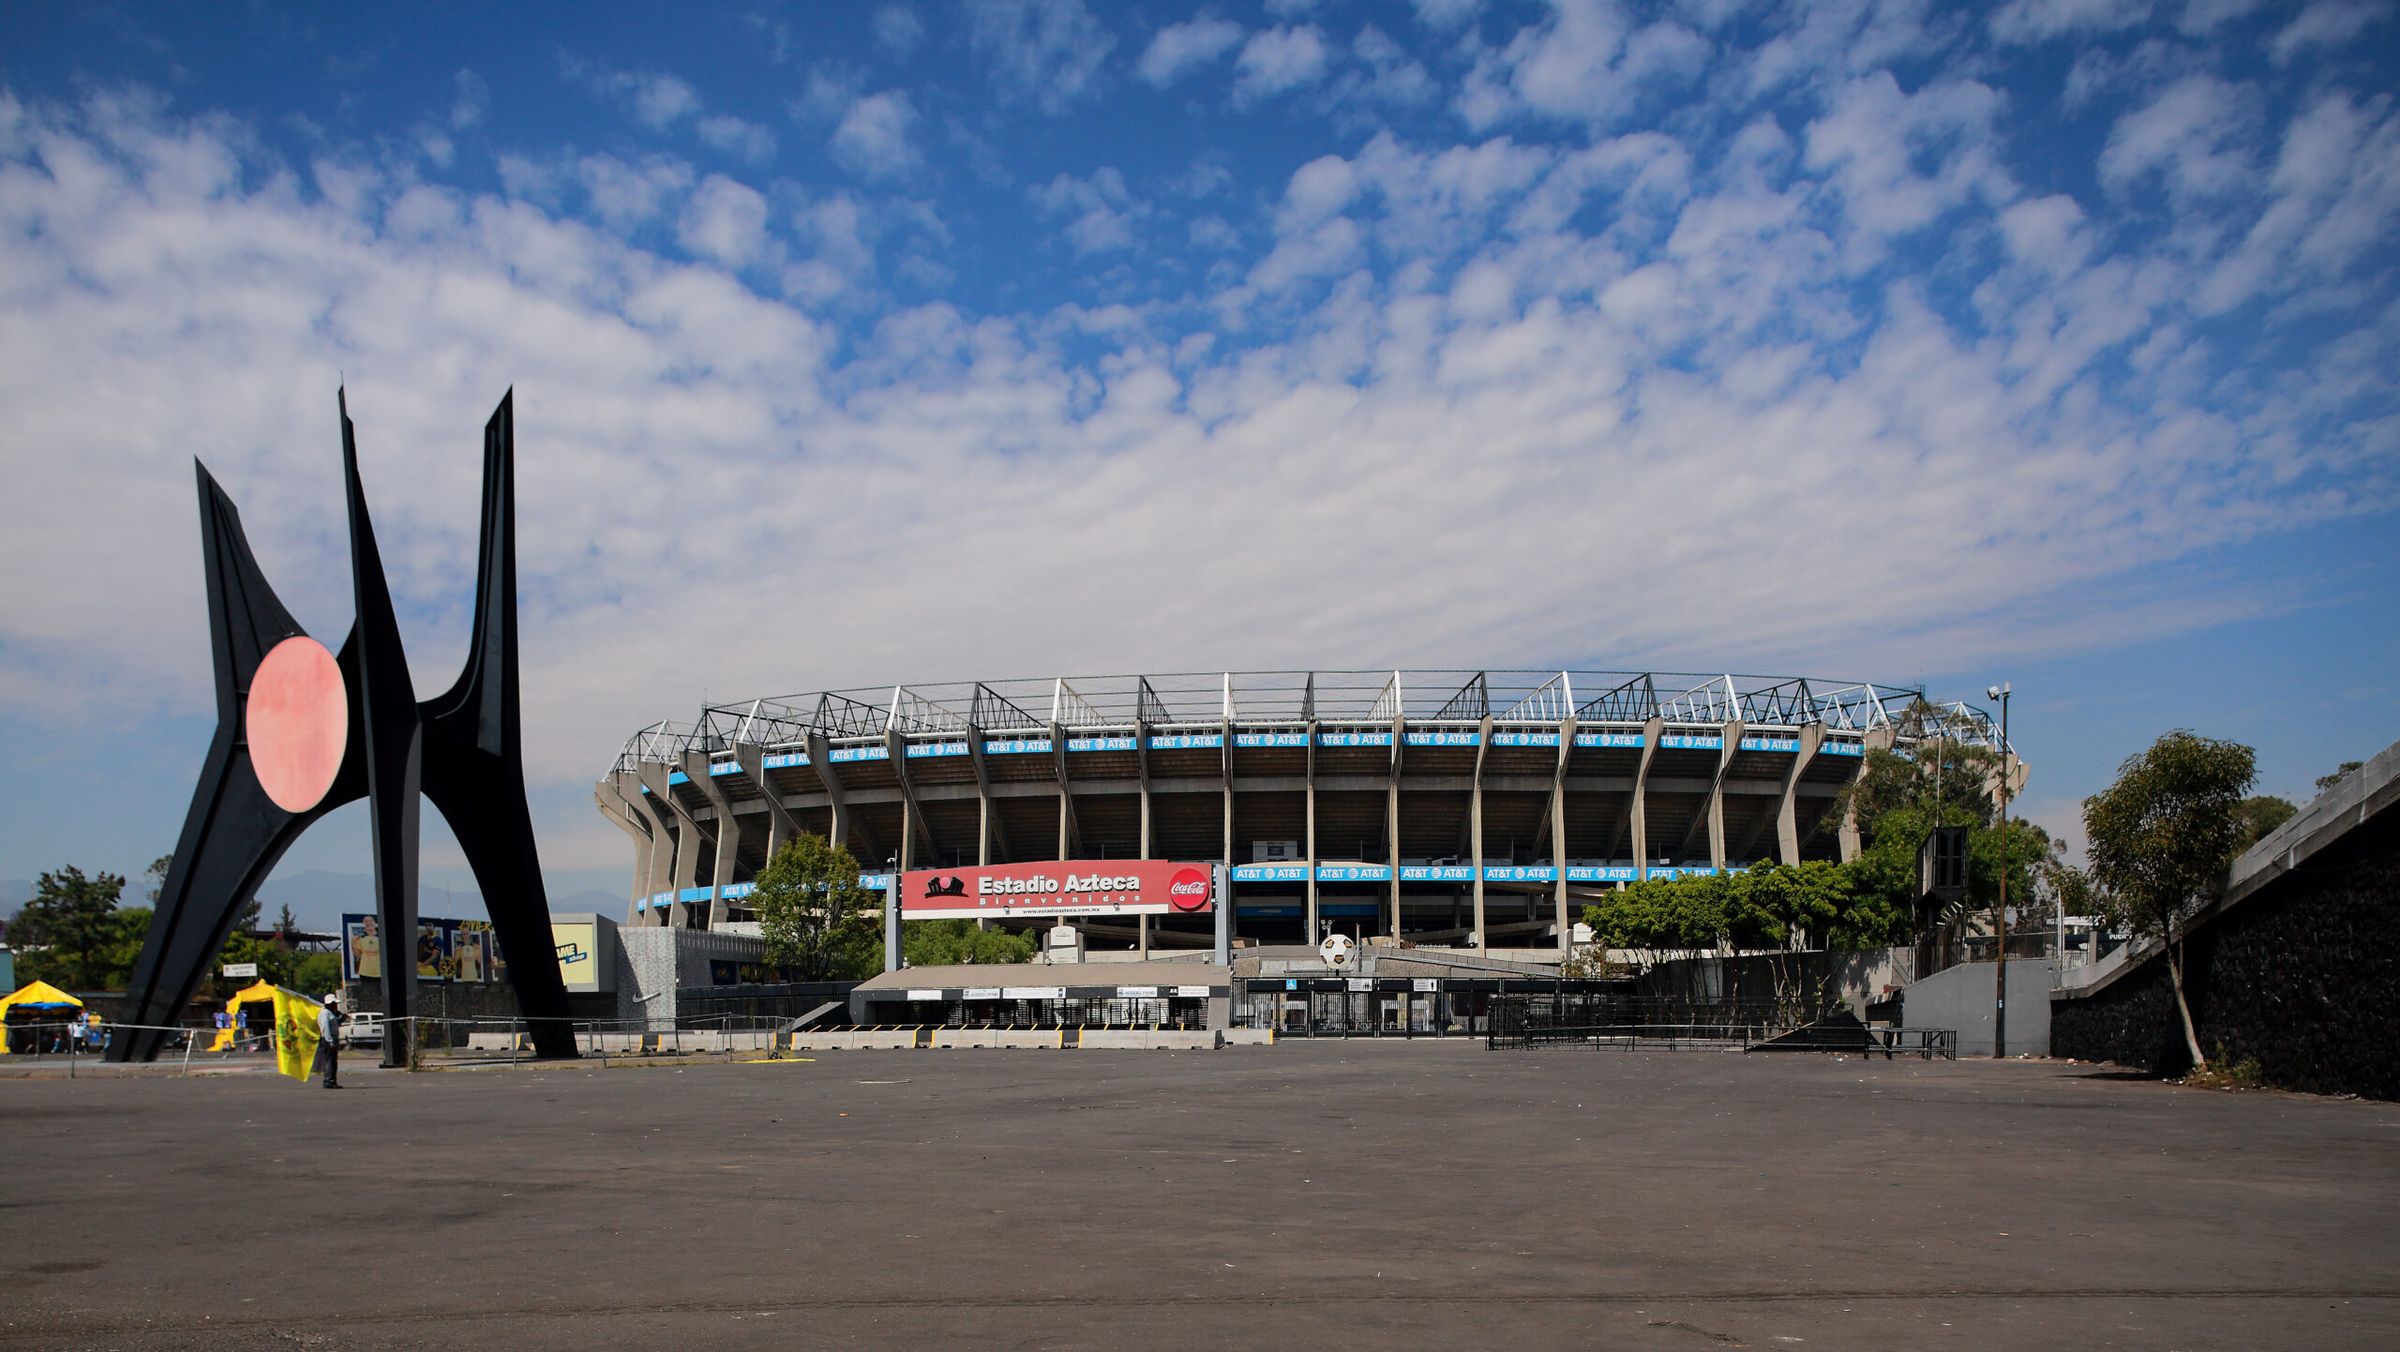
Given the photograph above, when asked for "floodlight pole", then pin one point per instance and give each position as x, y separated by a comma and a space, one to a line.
2000, 907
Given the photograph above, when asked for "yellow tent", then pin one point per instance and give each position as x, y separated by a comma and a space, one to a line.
257, 992
37, 995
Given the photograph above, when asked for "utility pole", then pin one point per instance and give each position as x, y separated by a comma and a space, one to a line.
2000, 692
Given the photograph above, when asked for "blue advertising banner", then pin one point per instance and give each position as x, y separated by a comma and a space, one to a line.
1524, 739
1015, 746
1354, 873
1770, 744
1270, 739
1684, 741
1842, 749
1354, 739
716, 768
1099, 744
924, 750
859, 753
1187, 741
1445, 738
1608, 739
785, 760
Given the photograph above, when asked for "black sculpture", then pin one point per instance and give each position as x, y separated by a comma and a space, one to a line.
301, 732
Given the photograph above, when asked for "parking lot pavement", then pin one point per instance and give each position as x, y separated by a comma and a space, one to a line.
1426, 1195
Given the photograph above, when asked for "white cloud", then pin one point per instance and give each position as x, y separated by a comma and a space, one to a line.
2192, 135
725, 221
661, 100
1587, 63
1181, 48
2325, 23
1445, 14
873, 136
627, 194
2202, 17
1276, 61
1100, 212
1901, 160
2042, 20
472, 97
747, 140
898, 30
1046, 52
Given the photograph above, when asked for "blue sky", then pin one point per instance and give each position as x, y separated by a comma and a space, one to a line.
2048, 341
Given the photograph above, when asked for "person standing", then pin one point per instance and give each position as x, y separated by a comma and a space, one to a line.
329, 1039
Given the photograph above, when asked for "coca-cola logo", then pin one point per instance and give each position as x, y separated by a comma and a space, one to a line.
1188, 890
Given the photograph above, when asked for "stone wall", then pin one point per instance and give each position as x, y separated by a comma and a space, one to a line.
2302, 977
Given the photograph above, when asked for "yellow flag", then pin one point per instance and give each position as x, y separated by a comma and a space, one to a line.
295, 1033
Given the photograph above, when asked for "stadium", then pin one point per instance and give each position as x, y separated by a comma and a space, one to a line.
1467, 809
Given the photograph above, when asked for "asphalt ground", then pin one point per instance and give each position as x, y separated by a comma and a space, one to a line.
1328, 1194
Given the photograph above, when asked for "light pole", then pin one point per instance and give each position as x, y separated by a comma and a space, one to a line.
2000, 692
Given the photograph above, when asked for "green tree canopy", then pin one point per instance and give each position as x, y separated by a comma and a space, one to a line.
72, 923
814, 915
945, 943
2325, 782
2162, 836
2260, 816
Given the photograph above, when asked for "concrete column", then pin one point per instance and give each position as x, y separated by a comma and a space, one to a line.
1558, 833
1787, 817
1638, 805
1391, 823
1730, 739
1877, 739
1069, 835
781, 826
661, 862
841, 829
729, 834
613, 806
688, 840
1233, 918
1309, 850
1141, 758
1483, 743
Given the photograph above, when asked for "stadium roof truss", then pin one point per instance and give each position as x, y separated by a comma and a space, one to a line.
1299, 699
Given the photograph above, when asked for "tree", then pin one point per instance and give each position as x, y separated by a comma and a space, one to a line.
73, 920
2161, 838
812, 911
2260, 816
2325, 782
945, 943
316, 973
285, 925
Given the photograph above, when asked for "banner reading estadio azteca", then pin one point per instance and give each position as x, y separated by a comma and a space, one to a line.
1072, 887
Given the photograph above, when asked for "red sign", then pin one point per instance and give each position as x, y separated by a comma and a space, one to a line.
1072, 887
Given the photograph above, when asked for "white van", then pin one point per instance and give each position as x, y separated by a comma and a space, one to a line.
363, 1030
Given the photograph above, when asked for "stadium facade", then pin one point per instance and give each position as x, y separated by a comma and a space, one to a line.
1471, 809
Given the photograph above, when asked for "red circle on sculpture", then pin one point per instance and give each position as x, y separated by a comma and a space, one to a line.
298, 723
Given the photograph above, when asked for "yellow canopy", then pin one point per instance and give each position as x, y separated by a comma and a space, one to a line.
254, 993
36, 995
39, 993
